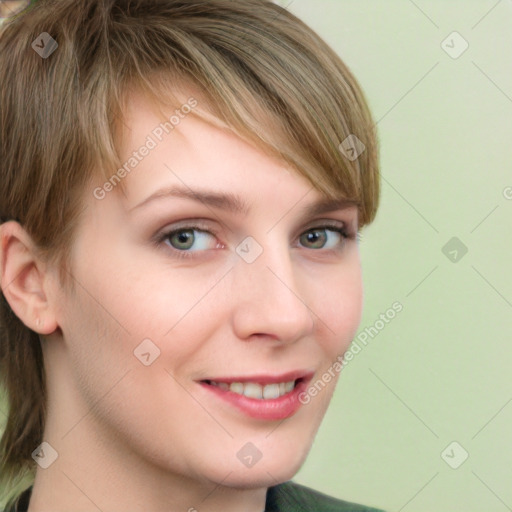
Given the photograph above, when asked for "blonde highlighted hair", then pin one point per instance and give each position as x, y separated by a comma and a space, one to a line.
260, 71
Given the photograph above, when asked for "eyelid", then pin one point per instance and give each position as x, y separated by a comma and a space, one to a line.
325, 222
349, 227
205, 226
197, 224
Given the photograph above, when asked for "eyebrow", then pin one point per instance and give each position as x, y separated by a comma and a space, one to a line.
232, 203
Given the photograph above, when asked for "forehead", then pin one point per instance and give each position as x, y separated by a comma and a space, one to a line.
190, 151
199, 169
173, 154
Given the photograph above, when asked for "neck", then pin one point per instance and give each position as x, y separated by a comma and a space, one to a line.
98, 470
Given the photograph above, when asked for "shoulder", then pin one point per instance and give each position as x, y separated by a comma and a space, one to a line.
285, 497
292, 497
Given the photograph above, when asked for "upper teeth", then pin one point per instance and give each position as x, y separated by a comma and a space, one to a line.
254, 390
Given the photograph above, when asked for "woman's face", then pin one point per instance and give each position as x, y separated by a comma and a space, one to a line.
177, 291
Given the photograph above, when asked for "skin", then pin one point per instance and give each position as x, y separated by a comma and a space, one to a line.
9, 8
135, 438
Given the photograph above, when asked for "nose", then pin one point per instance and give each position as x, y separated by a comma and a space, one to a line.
268, 300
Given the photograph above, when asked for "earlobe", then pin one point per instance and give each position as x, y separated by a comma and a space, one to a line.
23, 279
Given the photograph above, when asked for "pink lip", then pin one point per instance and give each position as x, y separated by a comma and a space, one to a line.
269, 409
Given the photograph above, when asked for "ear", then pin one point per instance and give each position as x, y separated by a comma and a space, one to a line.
24, 280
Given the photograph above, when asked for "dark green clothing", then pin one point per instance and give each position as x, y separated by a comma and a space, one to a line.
292, 497
286, 497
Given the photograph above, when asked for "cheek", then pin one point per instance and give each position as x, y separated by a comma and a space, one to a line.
99, 349
151, 298
118, 308
338, 306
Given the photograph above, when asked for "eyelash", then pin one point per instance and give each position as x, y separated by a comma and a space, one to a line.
346, 235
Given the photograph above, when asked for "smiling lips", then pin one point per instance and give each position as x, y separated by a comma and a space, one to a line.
263, 396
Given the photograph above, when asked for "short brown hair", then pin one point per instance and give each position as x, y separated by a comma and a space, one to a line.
61, 116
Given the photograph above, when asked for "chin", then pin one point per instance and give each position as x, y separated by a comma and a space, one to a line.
266, 473
257, 480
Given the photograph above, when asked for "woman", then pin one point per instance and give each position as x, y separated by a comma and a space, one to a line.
182, 187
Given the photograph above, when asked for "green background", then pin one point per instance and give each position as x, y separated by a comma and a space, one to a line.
440, 371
